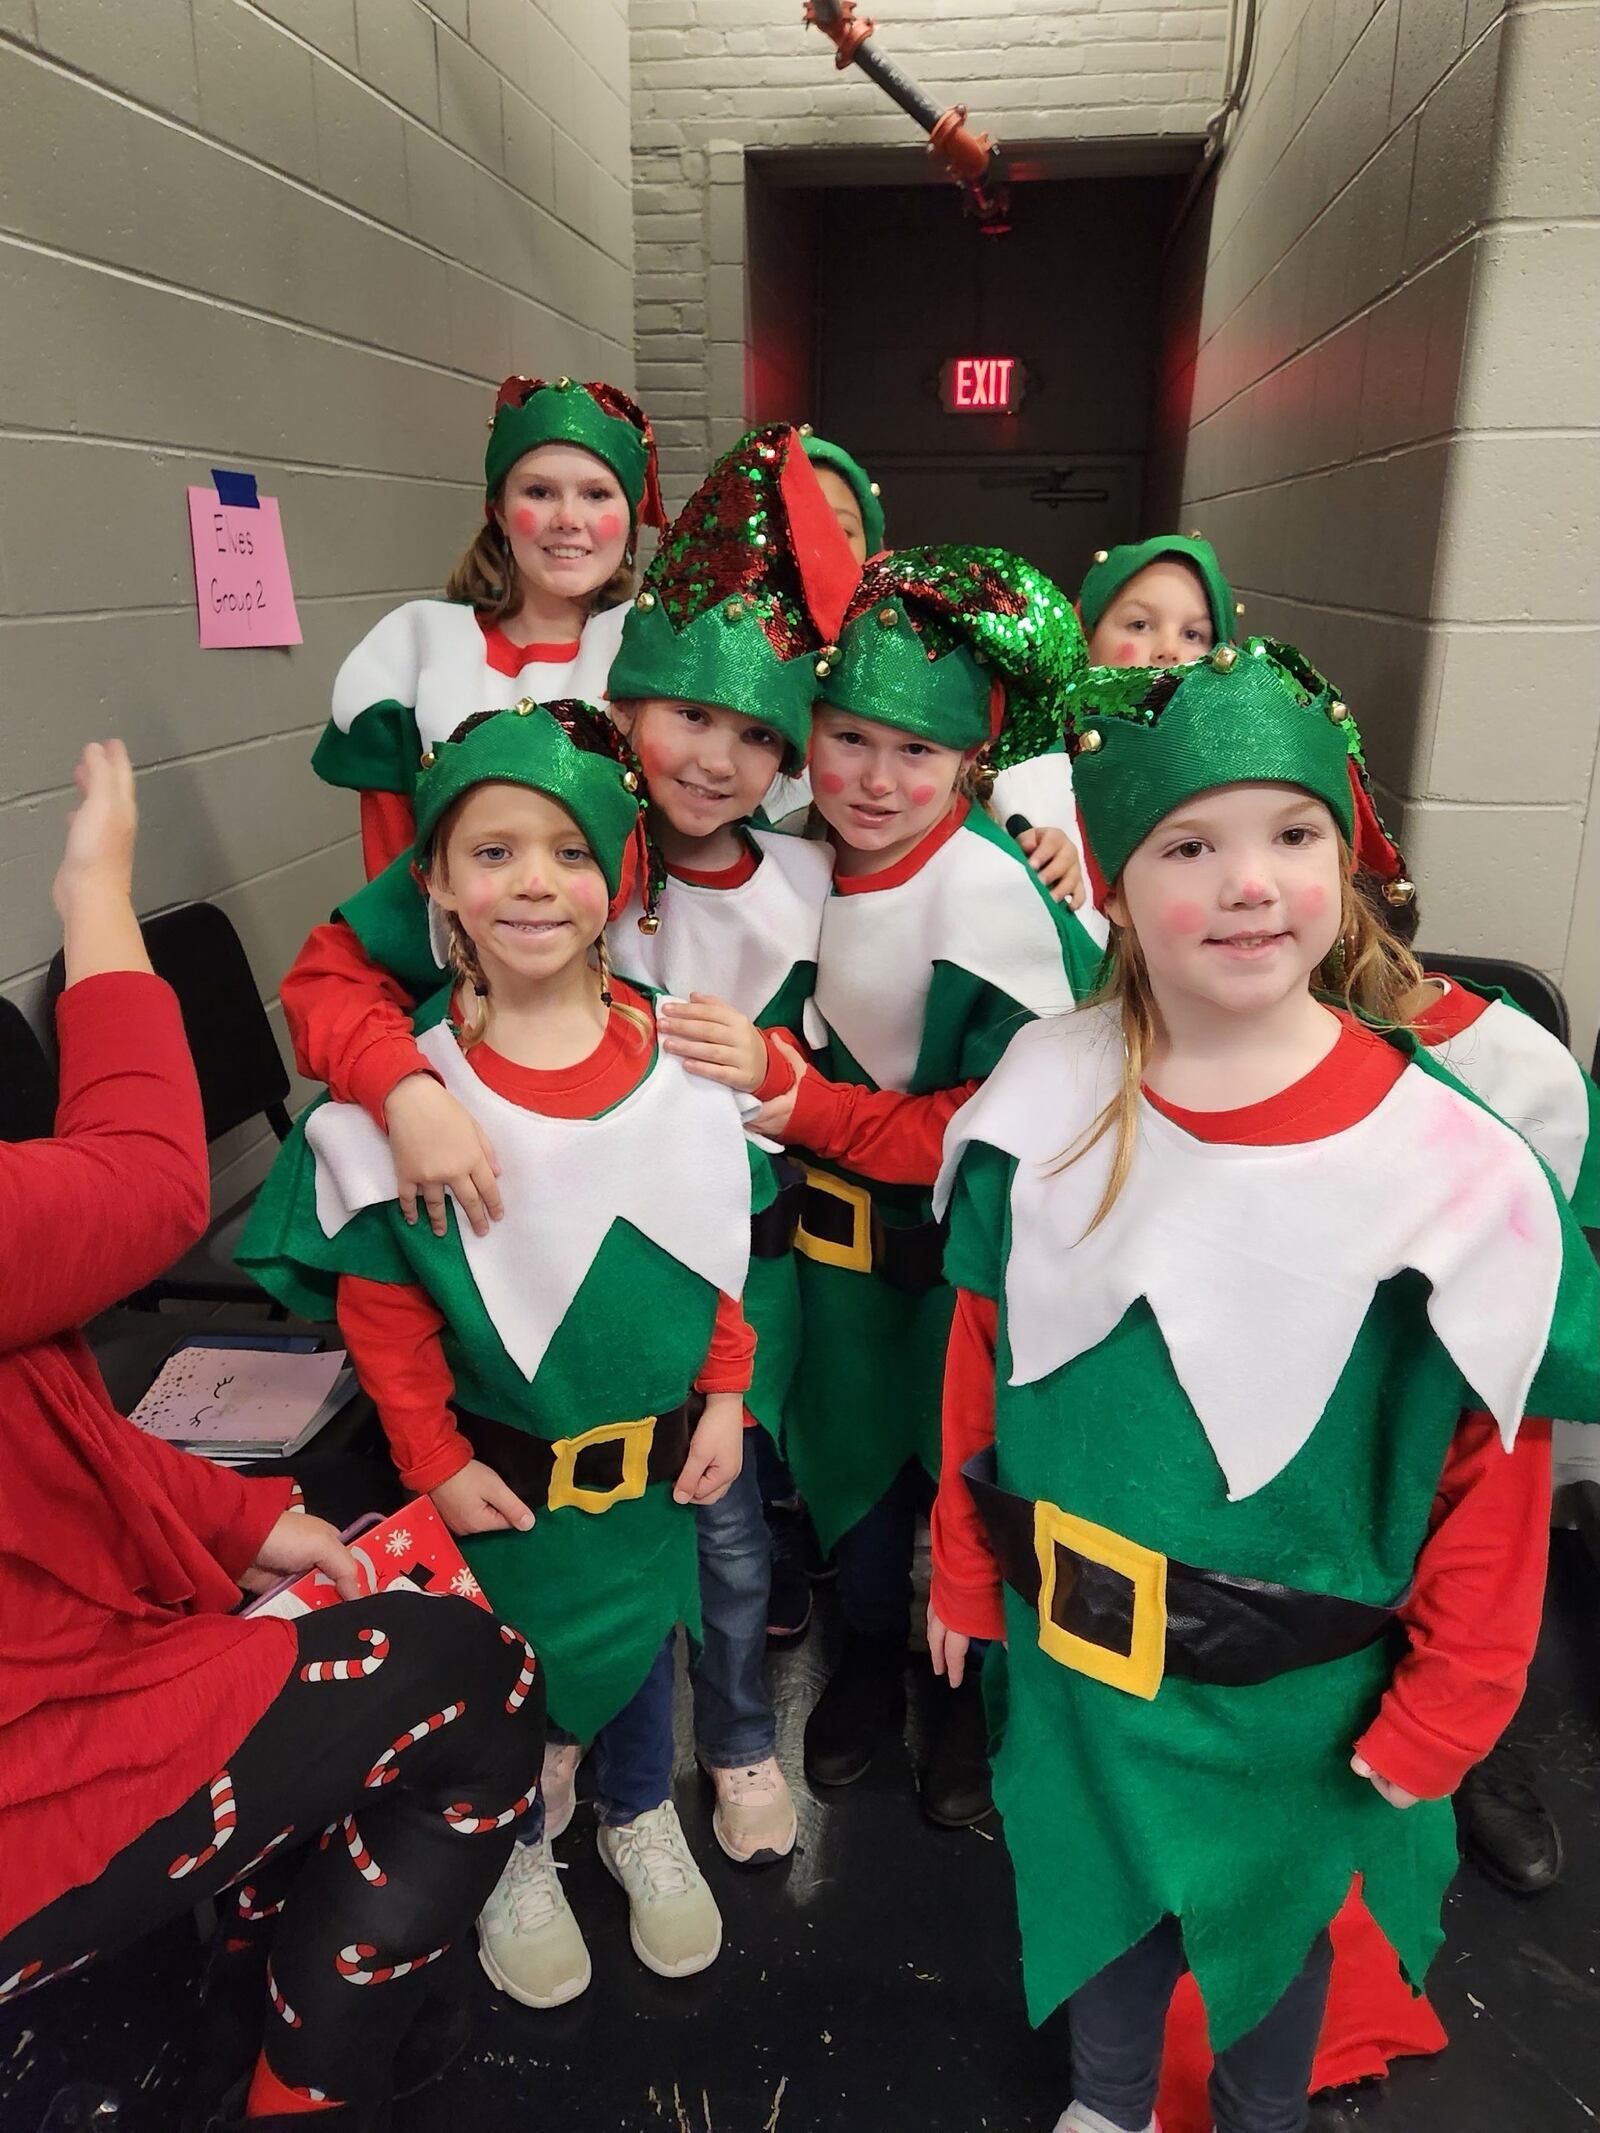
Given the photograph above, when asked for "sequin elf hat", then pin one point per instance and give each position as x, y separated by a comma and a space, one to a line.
746, 593
1145, 740
965, 647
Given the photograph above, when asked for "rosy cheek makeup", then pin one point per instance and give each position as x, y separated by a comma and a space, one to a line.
830, 782
1184, 918
1310, 902
607, 526
921, 795
527, 521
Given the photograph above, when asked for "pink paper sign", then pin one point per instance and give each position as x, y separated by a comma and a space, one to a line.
241, 572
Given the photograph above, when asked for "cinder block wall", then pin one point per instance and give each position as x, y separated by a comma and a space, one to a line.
1386, 360
304, 237
713, 78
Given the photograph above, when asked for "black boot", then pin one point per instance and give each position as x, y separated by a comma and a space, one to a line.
955, 1789
789, 1605
864, 1699
1506, 1830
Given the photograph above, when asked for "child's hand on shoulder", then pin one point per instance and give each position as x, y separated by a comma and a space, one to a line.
437, 1146
714, 1040
716, 1451
1054, 858
1396, 1795
771, 1122
477, 1501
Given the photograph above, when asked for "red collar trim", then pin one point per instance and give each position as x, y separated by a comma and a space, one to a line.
721, 877
1339, 1092
1449, 1012
506, 656
616, 1066
914, 861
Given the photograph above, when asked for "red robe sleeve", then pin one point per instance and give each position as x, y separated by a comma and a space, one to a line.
392, 1332
388, 828
124, 1188
731, 1356
1473, 1615
349, 1020
231, 1514
966, 1579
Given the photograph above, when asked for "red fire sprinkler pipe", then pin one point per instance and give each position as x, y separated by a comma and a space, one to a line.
966, 155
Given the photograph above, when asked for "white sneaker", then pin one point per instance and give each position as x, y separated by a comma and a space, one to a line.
558, 1785
754, 1818
528, 1940
673, 1920
1078, 2118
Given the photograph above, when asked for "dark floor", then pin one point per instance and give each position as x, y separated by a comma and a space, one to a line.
871, 1984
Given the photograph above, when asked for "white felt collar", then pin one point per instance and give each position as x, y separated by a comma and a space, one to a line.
1260, 1264
739, 943
974, 905
669, 1160
1530, 1078
430, 655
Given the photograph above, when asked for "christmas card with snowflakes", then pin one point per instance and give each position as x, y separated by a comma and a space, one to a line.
412, 1551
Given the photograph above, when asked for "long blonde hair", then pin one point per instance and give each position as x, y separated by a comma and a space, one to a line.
1367, 971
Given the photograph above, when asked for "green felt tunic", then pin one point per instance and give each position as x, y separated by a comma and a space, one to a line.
1233, 1809
594, 1594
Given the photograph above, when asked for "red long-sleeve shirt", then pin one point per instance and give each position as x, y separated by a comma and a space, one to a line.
124, 1681
392, 1329
1472, 1617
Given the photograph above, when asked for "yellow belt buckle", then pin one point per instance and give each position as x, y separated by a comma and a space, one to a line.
856, 1256
1137, 1671
566, 1492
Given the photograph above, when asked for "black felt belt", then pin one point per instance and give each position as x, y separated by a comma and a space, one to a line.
1229, 1631
600, 1467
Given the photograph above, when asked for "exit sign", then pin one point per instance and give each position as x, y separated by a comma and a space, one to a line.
982, 385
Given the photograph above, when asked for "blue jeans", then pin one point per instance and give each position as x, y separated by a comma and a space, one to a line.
874, 1560
632, 1753
734, 1724
1258, 2085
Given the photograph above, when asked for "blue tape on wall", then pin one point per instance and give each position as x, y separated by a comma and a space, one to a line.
238, 491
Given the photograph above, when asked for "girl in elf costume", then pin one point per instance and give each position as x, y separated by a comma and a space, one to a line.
714, 682
534, 607
1163, 602
569, 1385
937, 939
1228, 1257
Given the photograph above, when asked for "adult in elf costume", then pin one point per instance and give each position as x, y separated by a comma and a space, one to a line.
1183, 1334
534, 608
925, 968
574, 1355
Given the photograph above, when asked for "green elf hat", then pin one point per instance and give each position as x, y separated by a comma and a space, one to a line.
850, 471
528, 413
745, 597
572, 753
965, 647
1113, 567
1143, 740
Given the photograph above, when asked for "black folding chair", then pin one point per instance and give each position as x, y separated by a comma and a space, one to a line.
27, 1084
241, 1075
1533, 992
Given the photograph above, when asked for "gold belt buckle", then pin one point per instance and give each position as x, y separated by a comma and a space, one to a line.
1137, 1671
856, 1256
566, 1492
